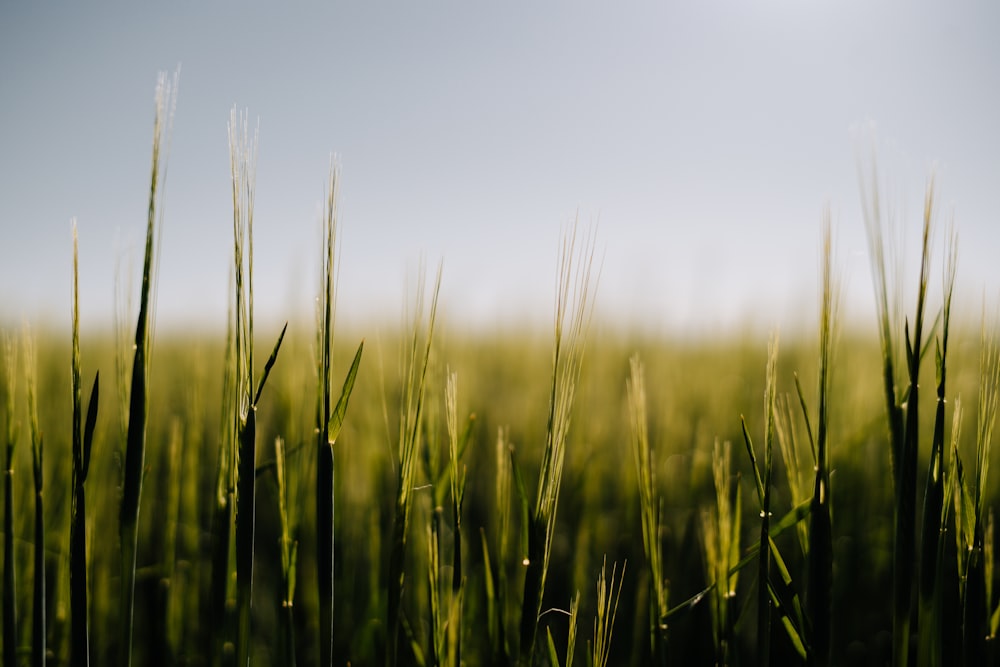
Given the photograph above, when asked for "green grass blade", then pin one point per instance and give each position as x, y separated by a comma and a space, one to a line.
553, 654
340, 411
270, 364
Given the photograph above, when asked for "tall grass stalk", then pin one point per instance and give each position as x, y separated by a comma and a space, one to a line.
457, 442
243, 160
135, 445
224, 511
496, 571
573, 309
787, 437
763, 484
721, 542
932, 524
9, 567
324, 448
289, 552
902, 409
243, 154
415, 364
820, 568
650, 508
329, 418
83, 440
38, 627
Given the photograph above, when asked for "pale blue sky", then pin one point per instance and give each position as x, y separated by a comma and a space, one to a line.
703, 138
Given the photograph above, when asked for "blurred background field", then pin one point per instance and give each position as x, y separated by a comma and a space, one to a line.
697, 391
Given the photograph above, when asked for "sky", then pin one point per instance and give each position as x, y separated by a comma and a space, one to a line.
701, 141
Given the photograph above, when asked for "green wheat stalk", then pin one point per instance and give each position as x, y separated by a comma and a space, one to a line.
820, 567
243, 159
765, 602
83, 440
902, 411
415, 376
135, 446
651, 509
574, 307
223, 513
496, 571
329, 418
457, 442
931, 551
721, 543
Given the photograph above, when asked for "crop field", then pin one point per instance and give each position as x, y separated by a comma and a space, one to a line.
325, 494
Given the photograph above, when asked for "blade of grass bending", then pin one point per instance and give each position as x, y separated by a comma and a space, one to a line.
135, 446
9, 572
38, 626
